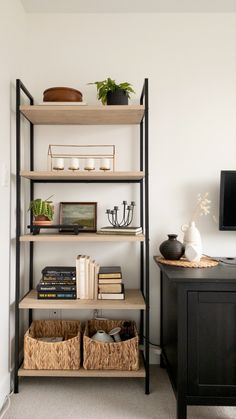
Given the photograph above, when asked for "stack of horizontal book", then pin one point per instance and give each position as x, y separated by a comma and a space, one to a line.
86, 277
110, 285
130, 231
58, 282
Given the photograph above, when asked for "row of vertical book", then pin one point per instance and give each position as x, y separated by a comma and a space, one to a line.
87, 280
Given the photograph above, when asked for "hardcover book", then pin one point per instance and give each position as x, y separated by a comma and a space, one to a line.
63, 282
69, 271
112, 295
51, 288
109, 272
119, 230
109, 281
58, 277
109, 288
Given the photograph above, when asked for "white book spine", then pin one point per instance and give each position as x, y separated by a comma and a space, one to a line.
82, 280
86, 278
77, 277
91, 280
96, 270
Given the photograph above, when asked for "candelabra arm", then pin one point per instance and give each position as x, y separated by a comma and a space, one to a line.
113, 220
131, 215
127, 219
116, 219
108, 216
122, 223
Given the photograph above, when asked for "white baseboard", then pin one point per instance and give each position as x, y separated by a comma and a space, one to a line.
154, 354
4, 388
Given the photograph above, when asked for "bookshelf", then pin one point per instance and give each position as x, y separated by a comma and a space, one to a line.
135, 299
84, 373
81, 237
68, 175
83, 115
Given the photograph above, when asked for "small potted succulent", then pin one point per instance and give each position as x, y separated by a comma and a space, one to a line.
111, 93
42, 211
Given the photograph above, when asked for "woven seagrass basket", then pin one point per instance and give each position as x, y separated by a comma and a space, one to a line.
122, 355
40, 355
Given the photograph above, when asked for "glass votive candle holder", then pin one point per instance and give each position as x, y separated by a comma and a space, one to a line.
89, 164
74, 164
58, 164
105, 164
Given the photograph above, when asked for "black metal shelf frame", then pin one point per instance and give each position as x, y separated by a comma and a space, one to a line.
144, 222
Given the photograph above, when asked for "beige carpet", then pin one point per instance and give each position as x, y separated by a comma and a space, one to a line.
93, 398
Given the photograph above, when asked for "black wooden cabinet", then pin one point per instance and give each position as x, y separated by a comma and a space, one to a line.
198, 334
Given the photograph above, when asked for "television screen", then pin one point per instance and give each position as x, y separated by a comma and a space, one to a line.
228, 200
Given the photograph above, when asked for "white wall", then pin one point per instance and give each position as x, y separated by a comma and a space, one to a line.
12, 22
190, 60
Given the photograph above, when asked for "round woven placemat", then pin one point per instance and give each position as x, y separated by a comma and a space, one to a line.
205, 262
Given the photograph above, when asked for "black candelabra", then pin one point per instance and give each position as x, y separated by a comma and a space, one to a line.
127, 218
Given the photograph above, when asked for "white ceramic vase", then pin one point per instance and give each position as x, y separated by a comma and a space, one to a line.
102, 336
192, 242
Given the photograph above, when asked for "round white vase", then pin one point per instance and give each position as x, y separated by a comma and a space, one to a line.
102, 336
192, 242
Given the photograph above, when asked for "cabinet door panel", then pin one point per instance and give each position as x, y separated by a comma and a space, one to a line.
212, 343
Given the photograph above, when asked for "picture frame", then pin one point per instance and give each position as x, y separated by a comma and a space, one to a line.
82, 213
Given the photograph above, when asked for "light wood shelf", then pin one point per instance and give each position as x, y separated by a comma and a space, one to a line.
83, 175
84, 373
133, 301
83, 115
81, 237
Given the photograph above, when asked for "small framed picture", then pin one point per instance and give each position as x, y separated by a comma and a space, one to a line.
82, 213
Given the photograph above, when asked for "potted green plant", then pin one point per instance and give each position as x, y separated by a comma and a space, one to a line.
42, 211
111, 93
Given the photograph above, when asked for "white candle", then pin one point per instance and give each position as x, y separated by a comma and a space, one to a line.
74, 164
105, 164
58, 164
89, 164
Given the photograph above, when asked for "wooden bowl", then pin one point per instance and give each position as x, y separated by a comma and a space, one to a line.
62, 94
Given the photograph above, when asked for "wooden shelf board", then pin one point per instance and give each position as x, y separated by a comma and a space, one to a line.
81, 237
84, 373
83, 115
83, 175
133, 301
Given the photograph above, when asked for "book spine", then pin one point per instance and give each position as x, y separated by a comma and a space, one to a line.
109, 275
110, 288
96, 270
69, 288
114, 296
58, 277
68, 270
78, 276
63, 283
82, 289
91, 280
86, 279
110, 281
57, 295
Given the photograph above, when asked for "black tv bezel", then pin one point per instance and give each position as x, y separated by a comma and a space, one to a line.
223, 174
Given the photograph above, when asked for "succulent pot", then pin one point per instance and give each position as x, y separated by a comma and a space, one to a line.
40, 220
118, 97
172, 249
62, 94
